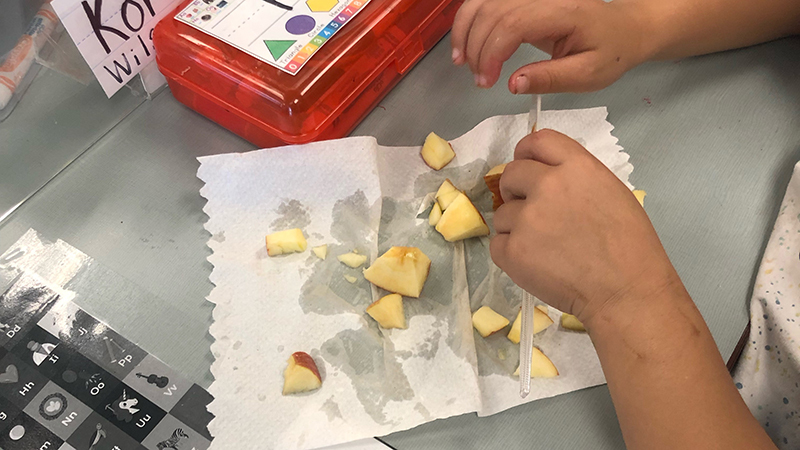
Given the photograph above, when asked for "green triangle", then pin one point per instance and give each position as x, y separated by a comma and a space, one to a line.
278, 48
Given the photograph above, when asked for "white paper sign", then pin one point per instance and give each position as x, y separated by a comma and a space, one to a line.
115, 37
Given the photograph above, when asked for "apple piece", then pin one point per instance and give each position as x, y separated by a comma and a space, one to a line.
492, 180
436, 214
461, 220
350, 279
542, 308
540, 322
321, 251
286, 241
301, 375
486, 321
446, 194
401, 270
541, 366
388, 311
437, 152
353, 260
571, 322
640, 195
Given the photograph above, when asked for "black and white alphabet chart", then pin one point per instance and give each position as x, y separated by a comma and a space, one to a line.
69, 382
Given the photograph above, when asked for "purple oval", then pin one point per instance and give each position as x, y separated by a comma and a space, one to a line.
300, 24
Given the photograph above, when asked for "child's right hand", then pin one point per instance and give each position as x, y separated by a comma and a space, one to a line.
592, 43
572, 234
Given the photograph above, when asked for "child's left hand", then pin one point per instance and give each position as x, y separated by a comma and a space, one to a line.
592, 43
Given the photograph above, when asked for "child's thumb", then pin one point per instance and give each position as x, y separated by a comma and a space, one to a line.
572, 73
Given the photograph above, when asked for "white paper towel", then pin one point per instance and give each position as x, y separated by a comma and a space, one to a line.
354, 194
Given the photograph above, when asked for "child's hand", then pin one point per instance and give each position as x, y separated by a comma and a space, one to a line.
571, 233
592, 43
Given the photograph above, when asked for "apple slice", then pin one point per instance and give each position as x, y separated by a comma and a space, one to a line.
286, 241
492, 180
461, 220
436, 214
541, 366
350, 279
436, 152
640, 195
301, 375
486, 321
401, 270
388, 311
571, 322
540, 322
321, 251
446, 194
353, 260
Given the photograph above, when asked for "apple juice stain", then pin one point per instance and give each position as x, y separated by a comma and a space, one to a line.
326, 291
291, 214
351, 220
331, 409
359, 354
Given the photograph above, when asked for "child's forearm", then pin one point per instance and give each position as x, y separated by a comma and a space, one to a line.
682, 28
669, 385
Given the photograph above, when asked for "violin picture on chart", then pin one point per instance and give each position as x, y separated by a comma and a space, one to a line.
159, 381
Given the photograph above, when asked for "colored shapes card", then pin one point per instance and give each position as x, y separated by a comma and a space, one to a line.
282, 33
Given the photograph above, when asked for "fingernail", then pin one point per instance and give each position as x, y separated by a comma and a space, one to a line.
477, 80
456, 55
522, 85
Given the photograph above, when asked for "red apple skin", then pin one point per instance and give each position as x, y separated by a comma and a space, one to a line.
493, 183
303, 359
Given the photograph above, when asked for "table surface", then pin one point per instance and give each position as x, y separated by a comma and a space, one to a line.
713, 141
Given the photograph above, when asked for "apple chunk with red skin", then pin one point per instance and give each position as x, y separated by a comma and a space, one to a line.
437, 152
492, 180
301, 375
401, 270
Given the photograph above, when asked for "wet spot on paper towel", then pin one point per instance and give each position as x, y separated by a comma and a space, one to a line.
376, 380
219, 237
326, 292
280, 348
331, 409
350, 221
291, 214
237, 344
261, 397
423, 411
428, 348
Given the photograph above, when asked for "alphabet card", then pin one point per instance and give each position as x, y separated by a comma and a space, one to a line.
282, 33
69, 382
115, 37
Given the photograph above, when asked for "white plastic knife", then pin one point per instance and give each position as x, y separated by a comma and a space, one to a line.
526, 333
